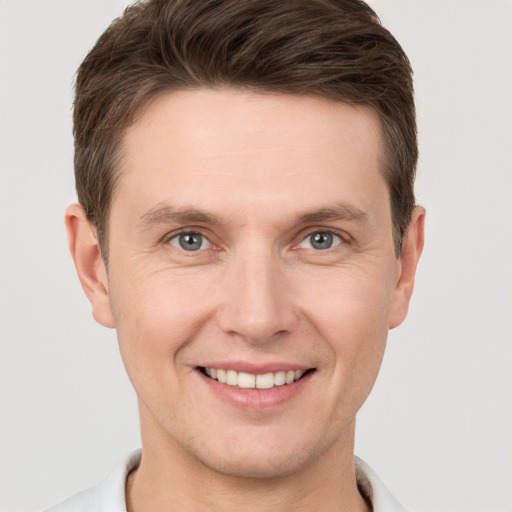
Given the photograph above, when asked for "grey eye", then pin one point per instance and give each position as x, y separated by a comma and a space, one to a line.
320, 241
190, 241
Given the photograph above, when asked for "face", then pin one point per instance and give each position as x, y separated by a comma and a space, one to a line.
252, 276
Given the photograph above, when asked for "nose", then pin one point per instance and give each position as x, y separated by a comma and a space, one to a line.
257, 302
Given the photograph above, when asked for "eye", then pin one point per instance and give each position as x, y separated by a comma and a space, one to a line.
320, 241
190, 242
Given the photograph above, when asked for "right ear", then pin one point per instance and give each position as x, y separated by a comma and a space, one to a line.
84, 248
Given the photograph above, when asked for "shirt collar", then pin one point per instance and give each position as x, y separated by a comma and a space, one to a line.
110, 496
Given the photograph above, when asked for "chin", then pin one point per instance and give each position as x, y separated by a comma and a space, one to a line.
257, 461
258, 467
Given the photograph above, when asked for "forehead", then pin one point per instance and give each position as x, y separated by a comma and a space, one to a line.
219, 145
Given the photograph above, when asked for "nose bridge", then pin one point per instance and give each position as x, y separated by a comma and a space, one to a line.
256, 302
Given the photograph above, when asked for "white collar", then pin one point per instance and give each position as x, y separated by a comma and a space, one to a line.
373, 490
109, 496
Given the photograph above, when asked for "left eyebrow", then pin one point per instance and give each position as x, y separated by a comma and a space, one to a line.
344, 212
165, 214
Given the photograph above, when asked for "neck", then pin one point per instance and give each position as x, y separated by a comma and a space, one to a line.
169, 479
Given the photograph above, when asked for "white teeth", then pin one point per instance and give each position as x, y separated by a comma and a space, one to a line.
232, 378
265, 381
248, 381
279, 378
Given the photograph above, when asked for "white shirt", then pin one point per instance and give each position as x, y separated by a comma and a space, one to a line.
109, 496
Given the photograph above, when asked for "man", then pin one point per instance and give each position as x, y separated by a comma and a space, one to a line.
247, 225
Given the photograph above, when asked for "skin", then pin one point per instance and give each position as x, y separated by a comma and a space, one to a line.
255, 175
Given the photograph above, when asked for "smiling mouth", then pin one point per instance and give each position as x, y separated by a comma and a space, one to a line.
244, 380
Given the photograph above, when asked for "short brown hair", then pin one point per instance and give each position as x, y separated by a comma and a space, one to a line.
337, 49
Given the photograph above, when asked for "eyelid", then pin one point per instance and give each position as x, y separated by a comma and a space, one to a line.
304, 235
166, 240
343, 237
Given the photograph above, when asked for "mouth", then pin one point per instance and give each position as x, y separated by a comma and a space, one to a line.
243, 380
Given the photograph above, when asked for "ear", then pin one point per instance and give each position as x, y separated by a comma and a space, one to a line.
83, 244
412, 248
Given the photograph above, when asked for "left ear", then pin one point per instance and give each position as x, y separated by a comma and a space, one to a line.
412, 248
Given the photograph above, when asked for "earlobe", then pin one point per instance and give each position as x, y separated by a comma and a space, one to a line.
411, 251
89, 264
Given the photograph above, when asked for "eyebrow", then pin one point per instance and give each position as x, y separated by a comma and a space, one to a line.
165, 214
345, 212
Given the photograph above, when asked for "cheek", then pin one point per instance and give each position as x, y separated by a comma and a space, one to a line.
348, 300
350, 310
156, 316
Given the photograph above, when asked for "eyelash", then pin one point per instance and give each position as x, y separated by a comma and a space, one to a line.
336, 238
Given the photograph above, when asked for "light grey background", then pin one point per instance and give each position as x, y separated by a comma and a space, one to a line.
438, 426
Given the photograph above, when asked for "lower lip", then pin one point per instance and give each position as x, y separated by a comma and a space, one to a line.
256, 398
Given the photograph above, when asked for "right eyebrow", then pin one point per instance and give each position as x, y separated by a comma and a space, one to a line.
165, 214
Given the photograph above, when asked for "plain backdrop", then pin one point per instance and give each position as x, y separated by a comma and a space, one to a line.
438, 425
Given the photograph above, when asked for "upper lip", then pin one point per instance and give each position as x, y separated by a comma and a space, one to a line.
254, 368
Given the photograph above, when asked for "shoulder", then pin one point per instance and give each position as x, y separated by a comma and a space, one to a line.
373, 490
109, 496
